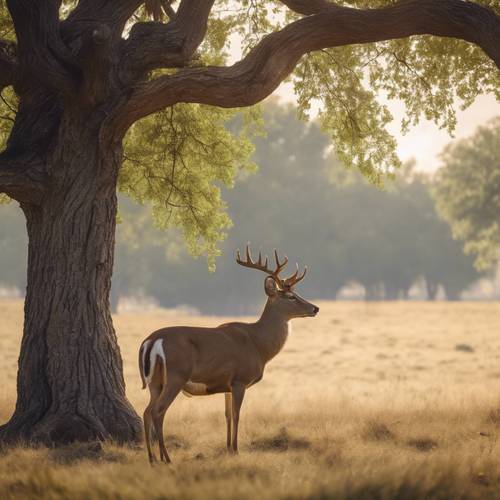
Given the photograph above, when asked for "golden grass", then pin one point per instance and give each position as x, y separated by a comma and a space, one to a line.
379, 400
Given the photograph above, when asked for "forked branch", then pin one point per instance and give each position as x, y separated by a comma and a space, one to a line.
155, 45
157, 8
42, 55
272, 60
113, 13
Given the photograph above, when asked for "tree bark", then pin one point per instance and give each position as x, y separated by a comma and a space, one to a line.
70, 383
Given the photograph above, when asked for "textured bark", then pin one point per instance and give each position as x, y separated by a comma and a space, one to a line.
70, 383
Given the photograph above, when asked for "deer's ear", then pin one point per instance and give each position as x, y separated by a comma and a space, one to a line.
270, 287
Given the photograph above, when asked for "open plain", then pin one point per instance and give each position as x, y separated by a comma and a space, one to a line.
368, 400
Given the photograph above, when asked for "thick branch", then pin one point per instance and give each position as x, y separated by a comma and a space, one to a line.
156, 45
94, 57
43, 57
272, 60
113, 13
167, 8
7, 63
23, 179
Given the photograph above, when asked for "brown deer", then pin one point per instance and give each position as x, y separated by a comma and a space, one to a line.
227, 359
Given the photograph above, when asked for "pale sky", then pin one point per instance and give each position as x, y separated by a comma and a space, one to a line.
425, 141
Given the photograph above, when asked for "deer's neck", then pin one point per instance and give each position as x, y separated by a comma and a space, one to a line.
270, 333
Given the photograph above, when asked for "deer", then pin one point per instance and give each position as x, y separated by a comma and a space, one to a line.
228, 359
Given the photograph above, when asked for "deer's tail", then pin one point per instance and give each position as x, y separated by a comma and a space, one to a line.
149, 353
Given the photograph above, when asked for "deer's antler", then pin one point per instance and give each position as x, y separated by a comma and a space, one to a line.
294, 278
262, 266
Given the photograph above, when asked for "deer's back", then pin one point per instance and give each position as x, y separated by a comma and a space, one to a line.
211, 355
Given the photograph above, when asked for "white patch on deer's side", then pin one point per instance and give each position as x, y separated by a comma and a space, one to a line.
143, 360
157, 350
194, 389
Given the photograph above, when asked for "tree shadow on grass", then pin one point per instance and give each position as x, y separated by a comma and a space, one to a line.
280, 442
77, 452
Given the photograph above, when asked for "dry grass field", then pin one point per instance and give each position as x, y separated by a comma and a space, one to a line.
378, 400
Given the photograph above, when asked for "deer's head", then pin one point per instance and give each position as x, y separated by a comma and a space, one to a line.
280, 291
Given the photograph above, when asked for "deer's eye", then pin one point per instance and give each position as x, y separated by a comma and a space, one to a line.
292, 297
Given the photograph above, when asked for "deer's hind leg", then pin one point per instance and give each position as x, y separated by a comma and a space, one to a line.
155, 389
171, 389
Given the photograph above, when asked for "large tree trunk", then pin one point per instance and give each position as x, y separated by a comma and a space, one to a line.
70, 383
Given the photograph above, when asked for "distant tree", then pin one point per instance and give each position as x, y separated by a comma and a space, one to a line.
467, 192
441, 259
137, 240
395, 236
343, 227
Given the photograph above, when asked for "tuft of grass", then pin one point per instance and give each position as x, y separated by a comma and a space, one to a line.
422, 444
377, 431
494, 417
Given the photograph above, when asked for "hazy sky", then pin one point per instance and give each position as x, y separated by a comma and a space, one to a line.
425, 141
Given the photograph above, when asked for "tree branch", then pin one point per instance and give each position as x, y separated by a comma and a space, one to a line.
167, 8
272, 60
23, 179
8, 63
155, 45
42, 55
308, 7
113, 13
94, 57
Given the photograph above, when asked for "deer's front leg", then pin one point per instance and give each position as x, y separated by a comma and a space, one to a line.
238, 393
228, 403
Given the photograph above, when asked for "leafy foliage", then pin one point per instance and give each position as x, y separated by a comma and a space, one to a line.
467, 191
8, 104
177, 160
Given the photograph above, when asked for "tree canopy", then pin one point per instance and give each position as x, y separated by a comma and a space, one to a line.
467, 191
178, 157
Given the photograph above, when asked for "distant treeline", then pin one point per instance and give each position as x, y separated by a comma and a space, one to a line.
302, 202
